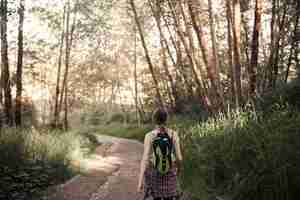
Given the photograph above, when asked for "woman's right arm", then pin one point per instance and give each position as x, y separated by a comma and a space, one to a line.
144, 161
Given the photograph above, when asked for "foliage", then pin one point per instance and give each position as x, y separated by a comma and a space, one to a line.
122, 130
286, 95
244, 156
32, 160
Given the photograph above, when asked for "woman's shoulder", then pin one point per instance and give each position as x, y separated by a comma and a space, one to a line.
171, 131
150, 133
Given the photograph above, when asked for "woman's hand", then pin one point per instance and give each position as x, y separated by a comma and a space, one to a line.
140, 188
178, 167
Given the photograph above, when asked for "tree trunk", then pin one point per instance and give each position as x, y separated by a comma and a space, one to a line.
206, 53
215, 56
245, 43
151, 67
56, 106
5, 66
18, 113
157, 16
293, 46
178, 62
69, 42
255, 48
230, 57
199, 87
277, 46
1, 78
236, 50
137, 113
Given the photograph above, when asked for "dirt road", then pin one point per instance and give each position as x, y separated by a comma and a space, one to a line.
112, 175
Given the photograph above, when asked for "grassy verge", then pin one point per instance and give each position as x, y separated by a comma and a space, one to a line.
31, 161
243, 157
116, 129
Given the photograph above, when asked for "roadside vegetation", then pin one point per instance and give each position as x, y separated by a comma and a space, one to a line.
32, 160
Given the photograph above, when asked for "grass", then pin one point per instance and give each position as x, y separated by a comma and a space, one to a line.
32, 160
243, 157
116, 129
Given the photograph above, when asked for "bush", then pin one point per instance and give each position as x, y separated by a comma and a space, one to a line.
248, 159
117, 117
31, 160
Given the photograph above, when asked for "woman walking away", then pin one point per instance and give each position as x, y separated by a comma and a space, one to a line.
161, 160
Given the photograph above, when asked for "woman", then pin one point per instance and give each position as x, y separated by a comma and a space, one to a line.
160, 187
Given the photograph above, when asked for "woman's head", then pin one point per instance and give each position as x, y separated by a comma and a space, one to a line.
160, 117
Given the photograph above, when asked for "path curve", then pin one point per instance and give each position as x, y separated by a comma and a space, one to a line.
123, 183
110, 176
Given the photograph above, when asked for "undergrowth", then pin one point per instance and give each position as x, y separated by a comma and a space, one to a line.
31, 160
244, 156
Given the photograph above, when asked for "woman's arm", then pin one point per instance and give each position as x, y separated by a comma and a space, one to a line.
177, 147
177, 151
144, 161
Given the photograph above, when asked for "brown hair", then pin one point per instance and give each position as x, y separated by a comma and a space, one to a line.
160, 116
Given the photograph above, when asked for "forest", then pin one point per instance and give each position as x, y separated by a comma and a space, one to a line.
226, 71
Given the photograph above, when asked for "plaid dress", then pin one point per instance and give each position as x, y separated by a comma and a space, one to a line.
157, 185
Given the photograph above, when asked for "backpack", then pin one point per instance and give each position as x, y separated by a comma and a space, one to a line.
162, 145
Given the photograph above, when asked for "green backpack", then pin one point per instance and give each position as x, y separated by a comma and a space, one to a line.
162, 146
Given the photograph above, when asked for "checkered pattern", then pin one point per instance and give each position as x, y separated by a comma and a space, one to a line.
158, 185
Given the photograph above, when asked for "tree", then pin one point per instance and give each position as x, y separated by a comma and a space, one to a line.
151, 67
57, 91
156, 11
255, 47
18, 114
230, 57
236, 50
5, 65
215, 51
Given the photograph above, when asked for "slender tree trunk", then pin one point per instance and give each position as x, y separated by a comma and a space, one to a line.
69, 43
56, 107
273, 26
178, 63
5, 66
255, 47
186, 48
151, 67
67, 40
215, 53
135, 80
206, 53
246, 42
277, 45
236, 50
18, 109
1, 76
293, 46
157, 16
230, 57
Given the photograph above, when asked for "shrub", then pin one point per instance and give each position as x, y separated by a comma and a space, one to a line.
247, 158
31, 160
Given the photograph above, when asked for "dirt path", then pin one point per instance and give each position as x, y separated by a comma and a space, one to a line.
112, 176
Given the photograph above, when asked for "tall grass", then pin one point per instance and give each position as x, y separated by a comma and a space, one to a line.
244, 156
31, 160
